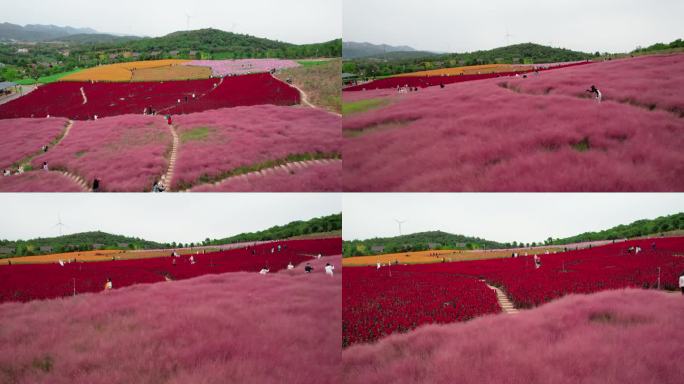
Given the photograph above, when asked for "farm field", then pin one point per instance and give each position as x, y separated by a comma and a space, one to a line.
127, 153
22, 138
46, 281
321, 82
441, 255
201, 330
630, 334
259, 137
590, 270
119, 71
484, 136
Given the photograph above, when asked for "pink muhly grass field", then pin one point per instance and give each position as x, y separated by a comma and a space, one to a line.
127, 153
38, 181
245, 136
24, 137
616, 337
313, 178
243, 66
654, 82
479, 136
234, 327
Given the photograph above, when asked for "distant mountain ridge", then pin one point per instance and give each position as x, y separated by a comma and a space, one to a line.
39, 32
353, 50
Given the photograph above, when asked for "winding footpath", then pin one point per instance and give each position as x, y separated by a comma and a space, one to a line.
85, 98
168, 176
284, 169
505, 304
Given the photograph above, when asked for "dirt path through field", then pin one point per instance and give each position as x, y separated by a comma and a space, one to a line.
505, 304
168, 176
284, 169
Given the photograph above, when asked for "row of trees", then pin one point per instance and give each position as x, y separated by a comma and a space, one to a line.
295, 228
635, 229
416, 242
84, 241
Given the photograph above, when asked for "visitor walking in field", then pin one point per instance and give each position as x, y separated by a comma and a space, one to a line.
308, 268
596, 92
45, 166
263, 271
108, 285
96, 185
329, 269
681, 282
290, 266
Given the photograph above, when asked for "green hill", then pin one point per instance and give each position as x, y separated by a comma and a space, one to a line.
295, 228
76, 242
513, 54
83, 51
635, 229
416, 242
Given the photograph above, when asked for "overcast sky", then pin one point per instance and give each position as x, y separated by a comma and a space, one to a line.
166, 217
296, 21
466, 25
503, 217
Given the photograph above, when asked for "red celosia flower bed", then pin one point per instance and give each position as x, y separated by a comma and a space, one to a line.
376, 304
65, 99
46, 281
379, 302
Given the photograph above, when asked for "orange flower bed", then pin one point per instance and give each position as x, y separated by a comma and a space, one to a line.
97, 255
172, 72
437, 256
119, 71
469, 70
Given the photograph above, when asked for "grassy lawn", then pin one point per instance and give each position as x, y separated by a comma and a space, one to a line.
47, 79
195, 134
363, 105
321, 82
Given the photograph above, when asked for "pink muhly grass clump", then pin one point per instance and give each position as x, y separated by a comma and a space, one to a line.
313, 178
616, 337
479, 136
654, 82
245, 136
38, 181
24, 137
127, 153
243, 66
235, 327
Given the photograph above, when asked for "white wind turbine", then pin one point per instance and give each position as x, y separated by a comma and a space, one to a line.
399, 223
59, 224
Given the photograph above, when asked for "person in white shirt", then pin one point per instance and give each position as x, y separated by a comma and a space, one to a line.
537, 262
192, 259
290, 266
263, 271
379, 265
61, 263
329, 269
681, 283
319, 256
